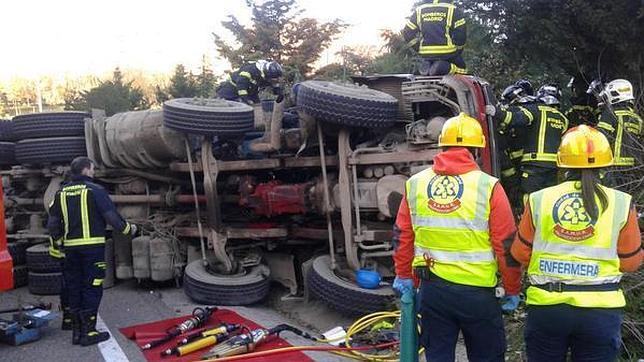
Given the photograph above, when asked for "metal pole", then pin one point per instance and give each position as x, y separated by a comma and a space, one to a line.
327, 203
194, 194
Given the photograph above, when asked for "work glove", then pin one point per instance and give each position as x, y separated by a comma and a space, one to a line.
403, 285
490, 110
510, 303
247, 100
134, 229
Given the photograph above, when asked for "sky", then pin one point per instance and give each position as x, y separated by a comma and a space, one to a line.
72, 37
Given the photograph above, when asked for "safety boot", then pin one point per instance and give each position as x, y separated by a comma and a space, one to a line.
66, 325
89, 335
76, 326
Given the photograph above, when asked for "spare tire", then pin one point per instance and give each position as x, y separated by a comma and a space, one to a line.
347, 104
343, 295
7, 154
208, 116
205, 287
6, 131
58, 124
39, 260
45, 283
50, 150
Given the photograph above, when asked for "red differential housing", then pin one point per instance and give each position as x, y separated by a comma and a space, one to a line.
274, 198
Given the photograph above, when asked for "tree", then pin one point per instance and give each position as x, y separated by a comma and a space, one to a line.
279, 32
114, 96
205, 81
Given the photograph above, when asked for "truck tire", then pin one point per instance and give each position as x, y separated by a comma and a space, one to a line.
242, 289
45, 283
7, 153
39, 260
208, 116
20, 276
50, 150
344, 296
58, 124
347, 105
6, 131
18, 251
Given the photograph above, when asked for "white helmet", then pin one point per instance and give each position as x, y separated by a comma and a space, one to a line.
619, 90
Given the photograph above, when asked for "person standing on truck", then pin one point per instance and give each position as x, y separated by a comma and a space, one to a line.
621, 125
77, 219
453, 232
437, 30
544, 125
576, 239
244, 84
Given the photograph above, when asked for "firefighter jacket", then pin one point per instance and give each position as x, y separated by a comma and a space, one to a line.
584, 110
574, 259
623, 128
543, 127
79, 213
436, 29
456, 220
248, 81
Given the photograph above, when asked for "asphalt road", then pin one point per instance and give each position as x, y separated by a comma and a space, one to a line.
128, 304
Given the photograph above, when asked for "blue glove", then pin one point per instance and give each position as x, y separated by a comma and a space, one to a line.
402, 285
510, 303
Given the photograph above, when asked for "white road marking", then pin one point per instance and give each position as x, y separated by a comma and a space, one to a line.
110, 349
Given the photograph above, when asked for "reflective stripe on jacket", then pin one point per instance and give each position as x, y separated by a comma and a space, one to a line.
624, 130
436, 29
572, 249
449, 215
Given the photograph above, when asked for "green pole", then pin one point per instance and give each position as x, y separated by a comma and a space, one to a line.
408, 328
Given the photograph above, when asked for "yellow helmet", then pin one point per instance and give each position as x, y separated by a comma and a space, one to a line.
584, 147
462, 130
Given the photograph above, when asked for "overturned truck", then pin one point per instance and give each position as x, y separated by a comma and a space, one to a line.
233, 197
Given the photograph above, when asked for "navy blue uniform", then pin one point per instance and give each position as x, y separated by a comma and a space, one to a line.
77, 219
245, 84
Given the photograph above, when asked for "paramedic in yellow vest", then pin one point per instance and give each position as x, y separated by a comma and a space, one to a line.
437, 30
453, 232
576, 239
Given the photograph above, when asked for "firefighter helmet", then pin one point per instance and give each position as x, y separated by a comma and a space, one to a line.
270, 69
584, 147
618, 90
526, 86
462, 130
549, 94
511, 94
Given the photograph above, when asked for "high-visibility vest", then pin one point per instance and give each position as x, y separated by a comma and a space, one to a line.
571, 249
449, 215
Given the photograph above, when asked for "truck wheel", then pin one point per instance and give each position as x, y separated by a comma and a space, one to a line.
347, 105
208, 116
39, 260
6, 131
240, 289
345, 296
58, 124
50, 150
18, 251
7, 154
20, 276
45, 283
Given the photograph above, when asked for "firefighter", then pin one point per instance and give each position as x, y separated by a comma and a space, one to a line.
621, 125
453, 232
576, 239
245, 83
437, 31
66, 324
544, 126
583, 109
77, 219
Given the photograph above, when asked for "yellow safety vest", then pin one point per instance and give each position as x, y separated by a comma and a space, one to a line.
569, 249
449, 215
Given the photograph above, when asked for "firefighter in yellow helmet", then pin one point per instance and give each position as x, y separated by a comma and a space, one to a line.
451, 232
436, 29
576, 239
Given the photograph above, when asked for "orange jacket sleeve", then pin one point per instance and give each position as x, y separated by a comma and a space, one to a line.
502, 231
629, 245
522, 245
403, 241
